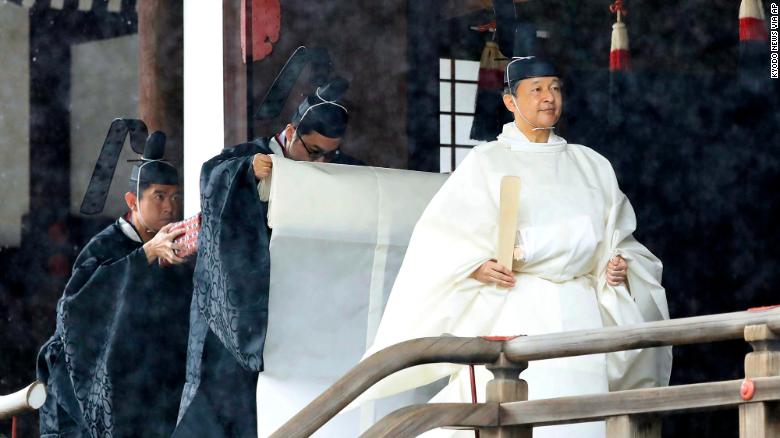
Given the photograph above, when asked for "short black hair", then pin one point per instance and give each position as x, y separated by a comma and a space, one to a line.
131, 187
326, 119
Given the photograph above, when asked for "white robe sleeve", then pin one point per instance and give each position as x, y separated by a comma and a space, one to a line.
644, 299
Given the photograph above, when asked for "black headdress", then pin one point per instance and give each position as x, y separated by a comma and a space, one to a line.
527, 67
320, 111
155, 170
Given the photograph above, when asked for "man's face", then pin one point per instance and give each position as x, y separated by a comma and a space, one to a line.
310, 147
539, 100
160, 205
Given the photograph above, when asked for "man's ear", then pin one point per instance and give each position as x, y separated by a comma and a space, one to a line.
509, 103
131, 200
289, 131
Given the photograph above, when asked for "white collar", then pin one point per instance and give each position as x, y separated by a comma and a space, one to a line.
129, 230
275, 146
517, 141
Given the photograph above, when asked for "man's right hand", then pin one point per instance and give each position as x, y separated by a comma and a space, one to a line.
492, 272
261, 165
161, 246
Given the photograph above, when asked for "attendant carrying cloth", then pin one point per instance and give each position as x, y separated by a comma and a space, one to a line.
229, 309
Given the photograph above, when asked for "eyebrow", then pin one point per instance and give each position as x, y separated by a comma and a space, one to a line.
554, 81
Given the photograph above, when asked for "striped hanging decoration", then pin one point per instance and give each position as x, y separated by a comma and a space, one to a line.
753, 49
114, 6
752, 21
619, 56
489, 111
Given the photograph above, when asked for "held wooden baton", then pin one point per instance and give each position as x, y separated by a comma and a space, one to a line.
507, 221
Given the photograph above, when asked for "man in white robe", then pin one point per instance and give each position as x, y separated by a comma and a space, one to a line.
577, 264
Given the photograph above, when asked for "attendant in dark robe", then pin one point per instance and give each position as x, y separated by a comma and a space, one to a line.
230, 303
114, 367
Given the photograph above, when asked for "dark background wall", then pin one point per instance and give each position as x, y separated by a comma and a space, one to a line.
368, 44
695, 148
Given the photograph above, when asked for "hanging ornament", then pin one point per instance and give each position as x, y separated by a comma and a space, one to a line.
263, 31
489, 112
619, 56
752, 21
753, 47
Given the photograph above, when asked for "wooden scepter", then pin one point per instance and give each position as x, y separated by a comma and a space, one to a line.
507, 219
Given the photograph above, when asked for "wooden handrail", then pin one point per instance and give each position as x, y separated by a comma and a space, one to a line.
416, 419
25, 400
380, 365
679, 331
663, 400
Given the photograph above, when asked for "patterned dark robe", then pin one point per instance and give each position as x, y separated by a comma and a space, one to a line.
229, 313
113, 367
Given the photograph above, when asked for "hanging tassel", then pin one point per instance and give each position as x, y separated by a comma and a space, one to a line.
753, 45
752, 21
489, 111
619, 65
619, 56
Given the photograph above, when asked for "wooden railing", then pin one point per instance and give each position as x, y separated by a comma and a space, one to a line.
507, 413
25, 400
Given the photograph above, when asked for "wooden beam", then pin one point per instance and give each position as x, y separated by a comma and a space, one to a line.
633, 426
665, 400
160, 72
414, 420
760, 420
698, 329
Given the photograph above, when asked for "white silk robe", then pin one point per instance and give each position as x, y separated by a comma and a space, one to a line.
573, 218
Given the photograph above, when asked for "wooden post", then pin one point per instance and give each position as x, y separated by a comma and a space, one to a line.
633, 426
761, 419
506, 386
160, 67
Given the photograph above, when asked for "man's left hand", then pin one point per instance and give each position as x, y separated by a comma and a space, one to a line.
261, 166
617, 271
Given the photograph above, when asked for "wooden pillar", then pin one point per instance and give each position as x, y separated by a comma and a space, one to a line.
506, 386
761, 419
161, 66
633, 426
237, 71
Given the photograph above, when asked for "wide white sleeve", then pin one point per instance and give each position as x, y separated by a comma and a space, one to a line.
642, 299
264, 188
